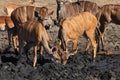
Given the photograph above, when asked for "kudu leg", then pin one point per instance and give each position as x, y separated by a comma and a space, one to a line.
35, 56
88, 45
90, 35
102, 30
74, 47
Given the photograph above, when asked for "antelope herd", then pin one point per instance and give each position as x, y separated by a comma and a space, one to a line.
29, 24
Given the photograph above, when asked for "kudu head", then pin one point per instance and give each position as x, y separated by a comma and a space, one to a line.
60, 55
45, 17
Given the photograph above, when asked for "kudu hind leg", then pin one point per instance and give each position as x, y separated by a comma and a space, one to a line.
102, 41
21, 47
15, 42
41, 50
27, 47
88, 45
35, 56
91, 36
9, 37
102, 30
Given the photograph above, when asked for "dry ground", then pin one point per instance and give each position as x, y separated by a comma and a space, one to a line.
79, 66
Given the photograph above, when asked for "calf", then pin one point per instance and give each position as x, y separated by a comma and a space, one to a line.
109, 13
34, 33
72, 28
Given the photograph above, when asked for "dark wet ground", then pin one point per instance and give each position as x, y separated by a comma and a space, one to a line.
78, 67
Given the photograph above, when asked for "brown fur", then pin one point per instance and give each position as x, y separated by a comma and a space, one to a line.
34, 32
2, 22
6, 22
10, 8
68, 9
109, 13
24, 13
71, 29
